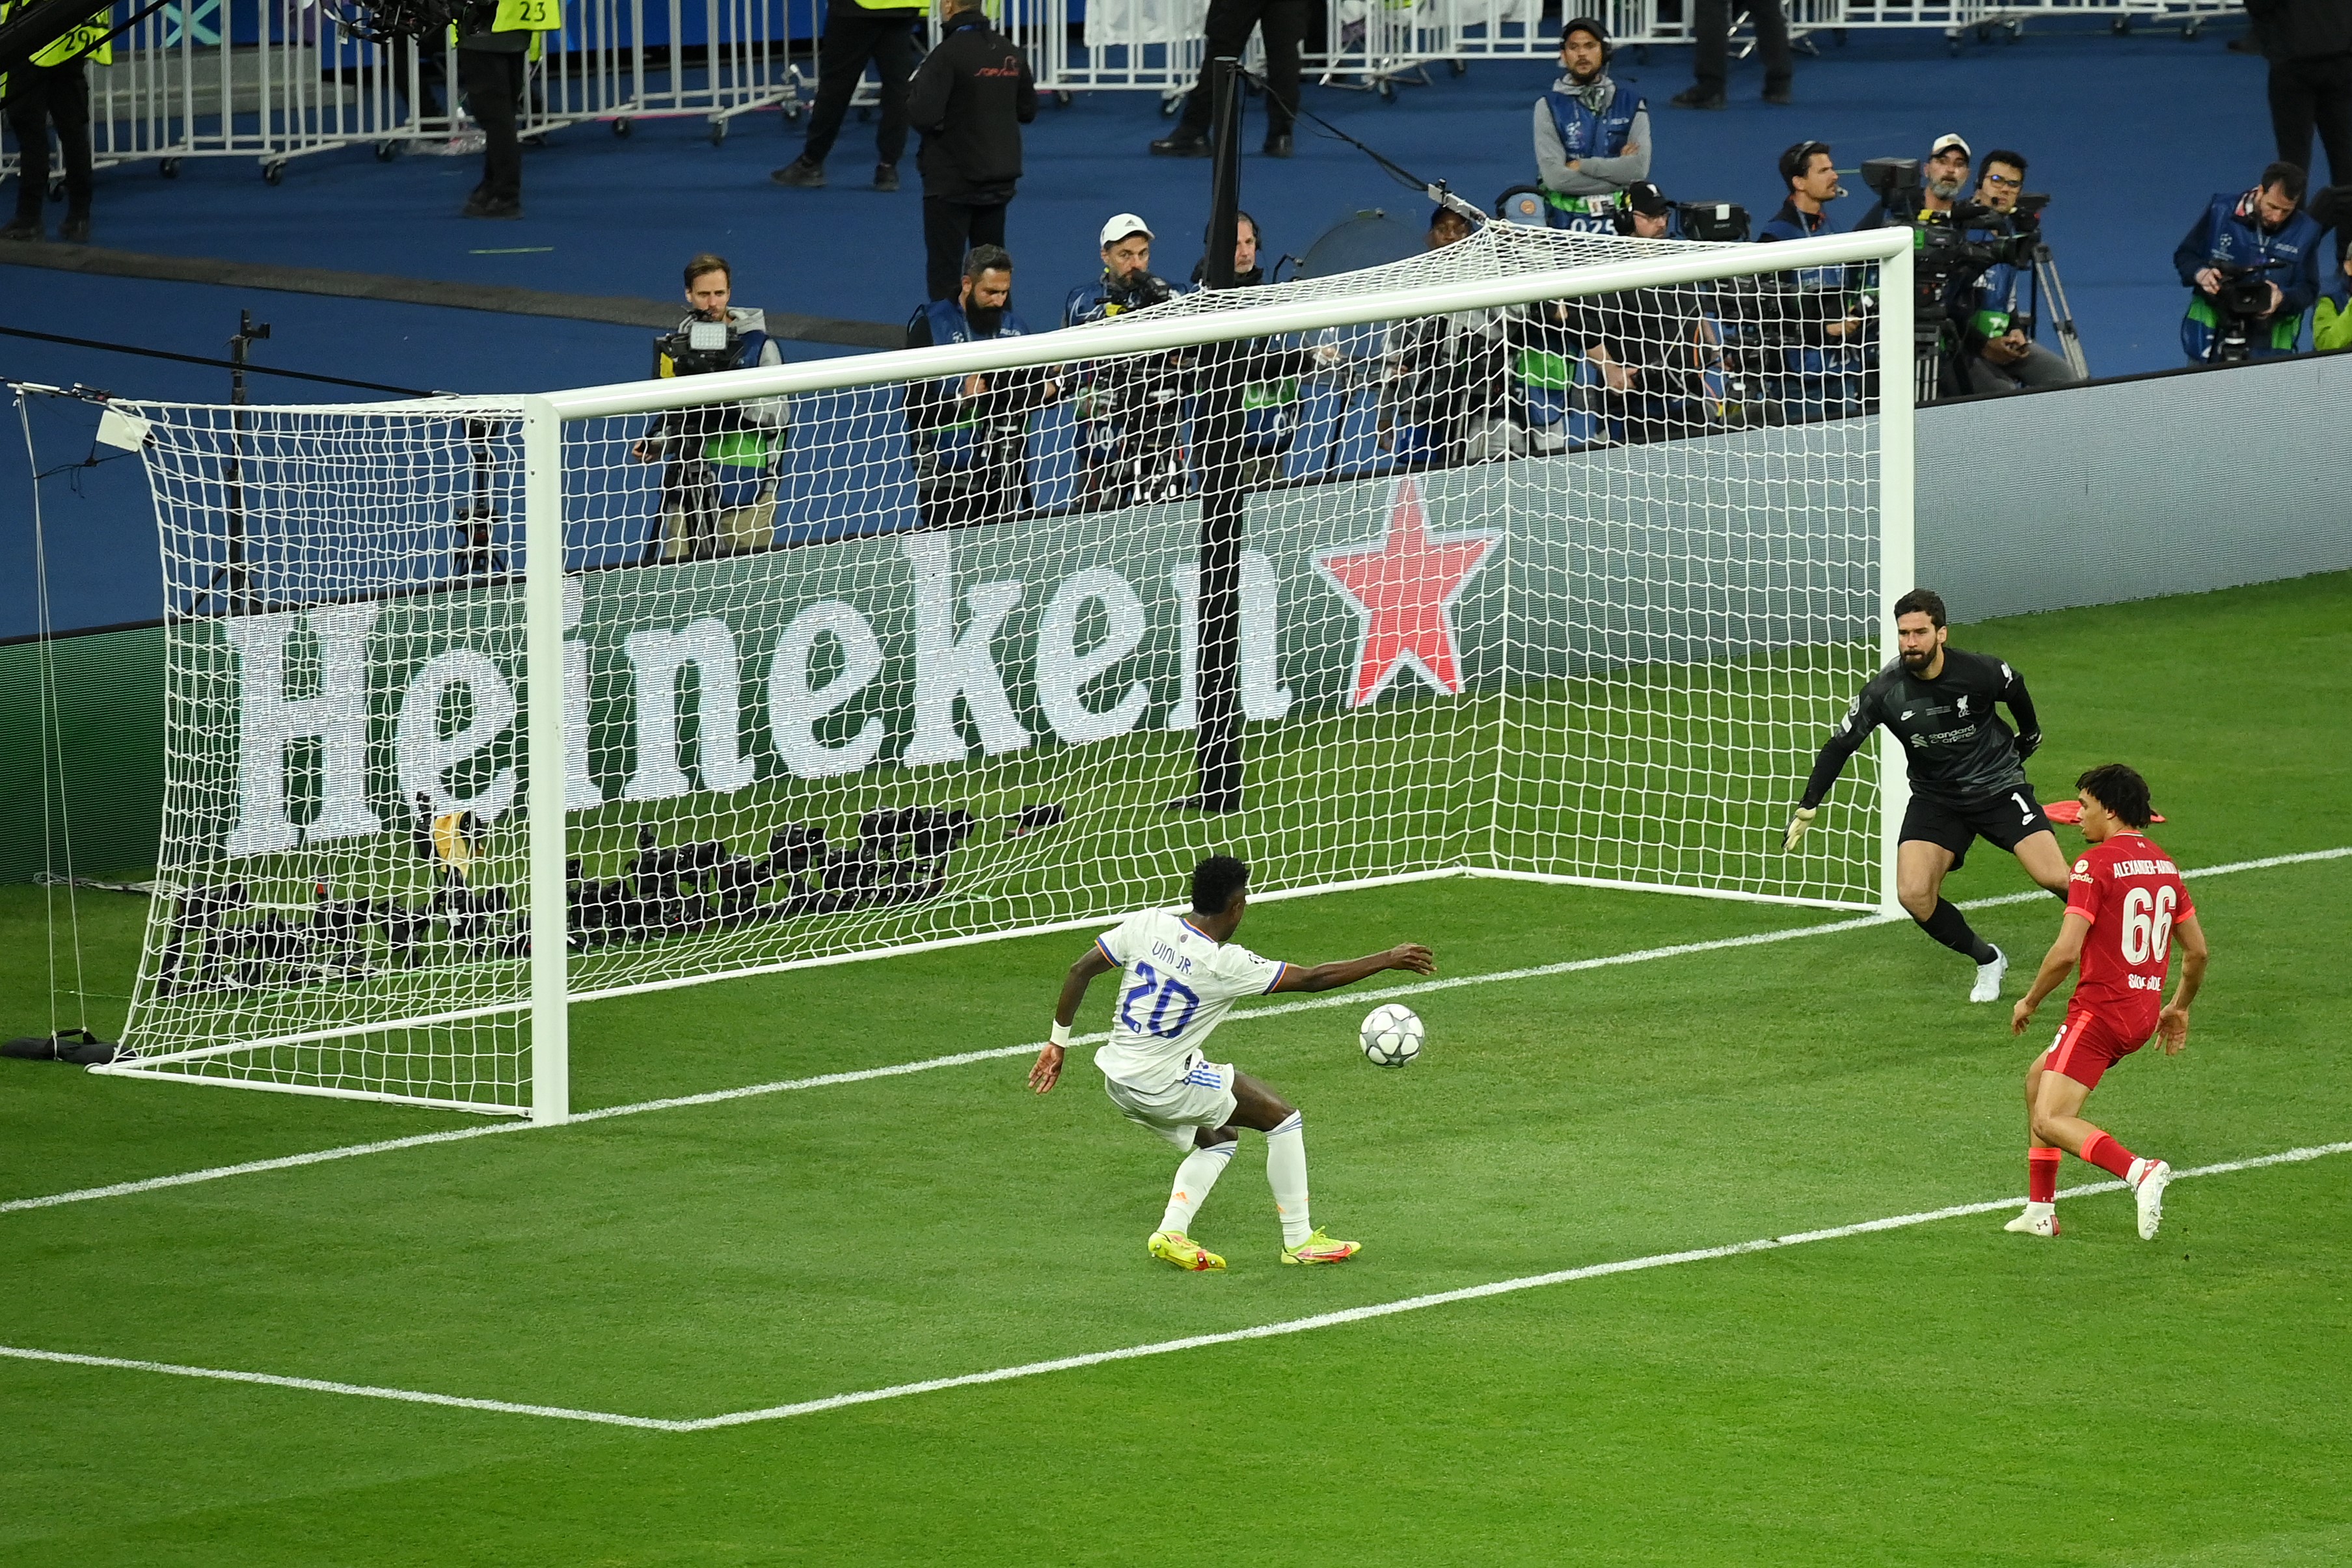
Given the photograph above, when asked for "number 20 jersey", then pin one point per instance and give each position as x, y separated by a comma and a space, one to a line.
1177, 984
2130, 891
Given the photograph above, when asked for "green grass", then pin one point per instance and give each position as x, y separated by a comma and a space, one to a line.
1943, 1395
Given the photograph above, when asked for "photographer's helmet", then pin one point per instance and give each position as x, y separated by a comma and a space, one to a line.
1599, 30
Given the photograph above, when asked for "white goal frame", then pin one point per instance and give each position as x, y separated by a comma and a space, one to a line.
545, 417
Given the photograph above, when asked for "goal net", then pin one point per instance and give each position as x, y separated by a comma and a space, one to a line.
1551, 556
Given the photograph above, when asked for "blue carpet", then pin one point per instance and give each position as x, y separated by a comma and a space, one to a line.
2131, 135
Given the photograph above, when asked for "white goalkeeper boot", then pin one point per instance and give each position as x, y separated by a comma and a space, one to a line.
1988, 985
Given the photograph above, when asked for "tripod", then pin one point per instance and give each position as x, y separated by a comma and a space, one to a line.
2045, 277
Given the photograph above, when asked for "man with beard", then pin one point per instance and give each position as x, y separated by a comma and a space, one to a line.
1130, 410
1968, 775
1953, 291
1942, 177
969, 434
1591, 139
2265, 229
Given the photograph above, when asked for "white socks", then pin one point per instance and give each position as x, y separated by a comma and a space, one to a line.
1194, 1177
1286, 1172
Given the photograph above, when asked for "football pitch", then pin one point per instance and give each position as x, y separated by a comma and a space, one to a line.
885, 1307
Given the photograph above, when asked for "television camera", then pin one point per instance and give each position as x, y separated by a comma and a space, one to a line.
2243, 298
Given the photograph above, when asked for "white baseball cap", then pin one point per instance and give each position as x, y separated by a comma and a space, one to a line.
1949, 139
1124, 224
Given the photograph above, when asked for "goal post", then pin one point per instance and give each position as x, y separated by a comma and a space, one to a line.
1561, 553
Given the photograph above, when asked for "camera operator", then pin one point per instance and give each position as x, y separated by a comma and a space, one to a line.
1942, 178
2001, 353
1657, 355
1445, 380
52, 89
1956, 244
499, 40
1814, 317
1592, 138
1130, 436
2253, 260
719, 462
1275, 368
969, 434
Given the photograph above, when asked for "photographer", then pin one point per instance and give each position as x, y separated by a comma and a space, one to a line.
1656, 351
1814, 318
719, 461
2001, 353
52, 89
2253, 260
1130, 436
1592, 138
1445, 380
1270, 399
969, 434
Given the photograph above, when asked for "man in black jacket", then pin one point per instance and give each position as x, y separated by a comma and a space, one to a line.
2309, 46
972, 96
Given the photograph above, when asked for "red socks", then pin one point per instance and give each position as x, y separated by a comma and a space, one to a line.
2109, 1156
2041, 1174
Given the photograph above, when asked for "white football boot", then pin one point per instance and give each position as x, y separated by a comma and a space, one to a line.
2039, 1219
1988, 985
2148, 1179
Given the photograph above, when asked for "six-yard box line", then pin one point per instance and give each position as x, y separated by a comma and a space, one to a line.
963, 1059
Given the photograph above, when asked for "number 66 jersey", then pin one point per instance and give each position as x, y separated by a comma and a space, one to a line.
1178, 983
2130, 891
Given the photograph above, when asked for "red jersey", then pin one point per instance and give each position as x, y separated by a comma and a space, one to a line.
2130, 891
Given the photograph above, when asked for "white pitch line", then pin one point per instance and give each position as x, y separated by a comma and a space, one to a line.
1162, 1347
963, 1059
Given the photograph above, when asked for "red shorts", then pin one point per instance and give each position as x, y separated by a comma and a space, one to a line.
2087, 1046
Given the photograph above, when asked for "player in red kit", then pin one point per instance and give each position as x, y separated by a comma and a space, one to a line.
2125, 909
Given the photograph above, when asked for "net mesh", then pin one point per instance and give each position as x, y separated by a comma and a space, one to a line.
1567, 590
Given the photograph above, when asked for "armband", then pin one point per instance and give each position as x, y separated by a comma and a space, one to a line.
1060, 1037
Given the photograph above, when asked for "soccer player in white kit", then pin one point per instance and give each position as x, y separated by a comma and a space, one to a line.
1182, 973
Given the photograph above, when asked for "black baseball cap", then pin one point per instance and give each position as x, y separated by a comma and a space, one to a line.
1586, 25
1645, 198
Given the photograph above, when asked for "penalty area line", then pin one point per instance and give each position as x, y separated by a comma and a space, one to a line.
1353, 997
1162, 1347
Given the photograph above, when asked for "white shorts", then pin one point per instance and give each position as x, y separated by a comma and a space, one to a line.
1202, 1098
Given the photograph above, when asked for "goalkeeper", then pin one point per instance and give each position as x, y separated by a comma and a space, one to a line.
1968, 775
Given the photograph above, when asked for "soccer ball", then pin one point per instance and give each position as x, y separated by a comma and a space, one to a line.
1391, 1036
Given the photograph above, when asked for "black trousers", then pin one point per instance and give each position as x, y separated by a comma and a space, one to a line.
1284, 23
951, 228
1711, 27
493, 83
2314, 95
852, 38
38, 98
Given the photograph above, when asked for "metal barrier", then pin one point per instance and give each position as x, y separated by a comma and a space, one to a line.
275, 80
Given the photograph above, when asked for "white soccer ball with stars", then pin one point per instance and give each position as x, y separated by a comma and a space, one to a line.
1392, 1035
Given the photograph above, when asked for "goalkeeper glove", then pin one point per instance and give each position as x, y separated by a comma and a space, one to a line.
2028, 744
1796, 826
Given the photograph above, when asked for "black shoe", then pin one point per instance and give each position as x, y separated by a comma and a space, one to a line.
1180, 143
1277, 145
801, 173
885, 176
483, 204
1698, 98
1776, 93
75, 230
23, 228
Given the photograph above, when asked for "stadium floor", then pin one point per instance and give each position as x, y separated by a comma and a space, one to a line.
608, 217
1938, 1394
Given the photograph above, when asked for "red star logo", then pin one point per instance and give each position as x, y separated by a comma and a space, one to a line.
1405, 586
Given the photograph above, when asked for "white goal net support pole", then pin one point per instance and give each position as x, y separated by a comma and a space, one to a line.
1561, 555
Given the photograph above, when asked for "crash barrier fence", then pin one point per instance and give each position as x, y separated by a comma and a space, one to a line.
275, 80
